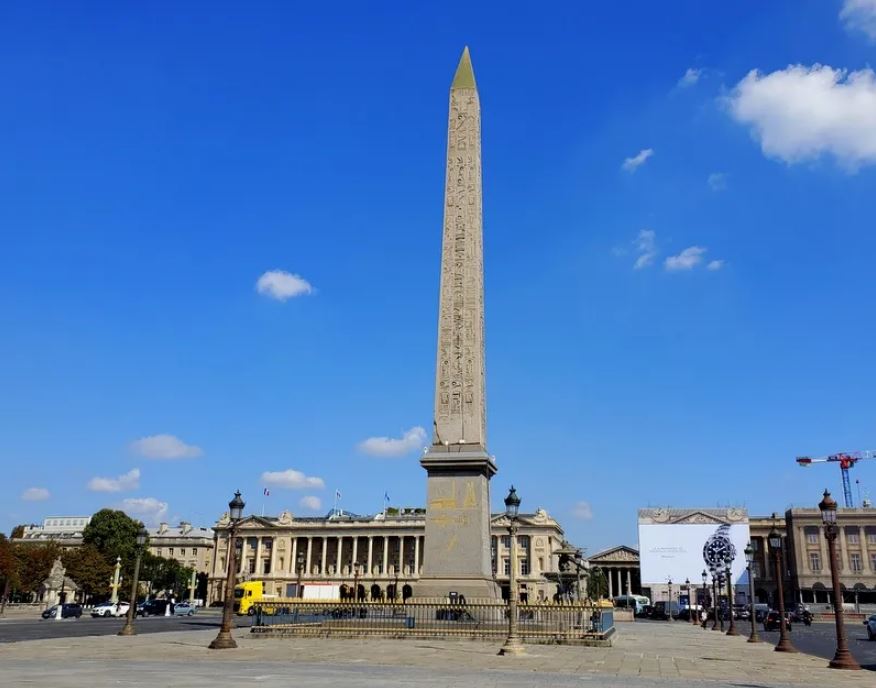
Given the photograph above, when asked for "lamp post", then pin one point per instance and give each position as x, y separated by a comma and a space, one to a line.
670, 599
842, 659
720, 588
690, 601
775, 538
512, 644
300, 569
731, 629
223, 640
705, 576
749, 560
128, 628
714, 599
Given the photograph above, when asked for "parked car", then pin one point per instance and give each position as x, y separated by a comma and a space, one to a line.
760, 611
663, 609
154, 608
183, 609
110, 609
771, 622
742, 613
870, 623
646, 612
68, 610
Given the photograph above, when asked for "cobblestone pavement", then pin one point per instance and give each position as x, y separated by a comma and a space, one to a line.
644, 655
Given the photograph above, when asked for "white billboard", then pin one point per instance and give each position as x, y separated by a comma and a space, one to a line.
679, 551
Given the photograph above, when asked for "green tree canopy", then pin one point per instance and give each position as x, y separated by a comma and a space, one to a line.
114, 534
165, 574
34, 561
89, 569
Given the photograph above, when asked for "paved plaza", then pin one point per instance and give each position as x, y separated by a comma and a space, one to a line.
643, 655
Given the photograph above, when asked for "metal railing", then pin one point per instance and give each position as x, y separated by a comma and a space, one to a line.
539, 623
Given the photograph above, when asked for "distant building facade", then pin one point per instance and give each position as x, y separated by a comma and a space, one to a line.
65, 530
190, 545
388, 548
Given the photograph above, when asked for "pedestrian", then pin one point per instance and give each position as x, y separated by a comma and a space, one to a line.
703, 616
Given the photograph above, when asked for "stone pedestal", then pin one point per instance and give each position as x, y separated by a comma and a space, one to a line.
457, 542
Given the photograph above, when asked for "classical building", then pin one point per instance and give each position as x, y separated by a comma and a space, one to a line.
189, 545
65, 530
806, 562
620, 566
283, 550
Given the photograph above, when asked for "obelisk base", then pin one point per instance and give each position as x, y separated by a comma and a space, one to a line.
456, 557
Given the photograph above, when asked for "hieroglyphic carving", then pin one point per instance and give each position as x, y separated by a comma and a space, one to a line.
460, 405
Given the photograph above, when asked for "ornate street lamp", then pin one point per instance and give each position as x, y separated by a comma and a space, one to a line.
300, 562
714, 573
224, 641
128, 628
775, 538
705, 576
512, 644
690, 601
842, 659
670, 599
749, 560
720, 588
356, 566
728, 563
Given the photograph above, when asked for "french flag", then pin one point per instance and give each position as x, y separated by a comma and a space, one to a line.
267, 492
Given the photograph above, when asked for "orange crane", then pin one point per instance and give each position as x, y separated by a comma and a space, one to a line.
845, 460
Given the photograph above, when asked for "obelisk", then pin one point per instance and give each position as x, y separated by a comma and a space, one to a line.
457, 543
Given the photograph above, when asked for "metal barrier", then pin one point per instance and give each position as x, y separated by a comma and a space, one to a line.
539, 623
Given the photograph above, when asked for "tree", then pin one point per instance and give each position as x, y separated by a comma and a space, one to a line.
8, 570
89, 569
34, 562
17, 532
165, 574
114, 534
597, 585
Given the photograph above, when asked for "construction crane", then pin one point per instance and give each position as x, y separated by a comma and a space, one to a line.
845, 460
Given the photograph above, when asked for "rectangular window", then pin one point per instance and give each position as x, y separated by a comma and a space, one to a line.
251, 566
182, 552
812, 535
506, 566
170, 551
267, 565
853, 536
541, 563
815, 561
506, 541
755, 569
194, 551
873, 560
855, 561
871, 535
524, 567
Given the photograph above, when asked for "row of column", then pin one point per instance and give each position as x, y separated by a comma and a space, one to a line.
342, 543
617, 580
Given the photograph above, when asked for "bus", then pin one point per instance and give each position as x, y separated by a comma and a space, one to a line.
635, 602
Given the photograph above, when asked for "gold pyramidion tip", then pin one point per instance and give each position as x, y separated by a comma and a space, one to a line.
464, 77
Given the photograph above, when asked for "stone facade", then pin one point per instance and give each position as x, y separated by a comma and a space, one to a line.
389, 549
189, 545
621, 568
65, 530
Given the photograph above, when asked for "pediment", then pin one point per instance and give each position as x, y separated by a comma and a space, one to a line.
251, 523
700, 517
620, 553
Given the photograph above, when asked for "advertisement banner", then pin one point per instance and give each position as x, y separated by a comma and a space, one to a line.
679, 551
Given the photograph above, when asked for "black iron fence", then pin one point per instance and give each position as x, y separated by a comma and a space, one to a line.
540, 623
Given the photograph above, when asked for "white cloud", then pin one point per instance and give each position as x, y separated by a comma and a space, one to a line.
646, 246
690, 77
282, 285
410, 441
311, 503
147, 509
128, 481
717, 181
801, 113
634, 163
35, 494
583, 511
715, 265
165, 447
291, 479
860, 15
686, 260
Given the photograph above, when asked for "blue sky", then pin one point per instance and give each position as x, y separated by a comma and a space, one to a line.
663, 328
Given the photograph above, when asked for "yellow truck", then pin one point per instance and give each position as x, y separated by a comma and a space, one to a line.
247, 594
